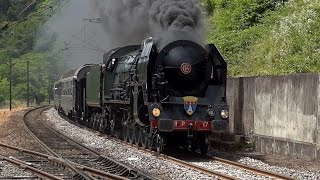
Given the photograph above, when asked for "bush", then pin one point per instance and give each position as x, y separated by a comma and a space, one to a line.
267, 37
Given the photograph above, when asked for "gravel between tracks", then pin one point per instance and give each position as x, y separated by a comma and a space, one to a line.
299, 169
12, 132
158, 167
143, 161
8, 170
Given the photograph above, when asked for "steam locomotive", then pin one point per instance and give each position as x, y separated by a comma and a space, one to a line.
175, 96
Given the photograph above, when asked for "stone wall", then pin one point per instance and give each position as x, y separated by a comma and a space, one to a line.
281, 113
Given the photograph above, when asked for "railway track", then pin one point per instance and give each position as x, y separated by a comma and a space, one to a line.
249, 168
188, 159
164, 157
189, 162
196, 157
67, 158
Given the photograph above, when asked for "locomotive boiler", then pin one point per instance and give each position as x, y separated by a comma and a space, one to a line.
155, 98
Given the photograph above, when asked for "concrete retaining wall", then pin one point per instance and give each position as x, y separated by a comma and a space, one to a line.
281, 113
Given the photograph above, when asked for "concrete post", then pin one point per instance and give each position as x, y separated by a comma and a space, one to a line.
28, 83
10, 86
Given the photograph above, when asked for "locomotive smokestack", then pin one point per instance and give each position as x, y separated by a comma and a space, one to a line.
176, 20
130, 21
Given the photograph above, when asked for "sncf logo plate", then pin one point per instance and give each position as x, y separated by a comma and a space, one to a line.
186, 68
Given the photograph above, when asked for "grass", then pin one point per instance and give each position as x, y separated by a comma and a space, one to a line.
6, 113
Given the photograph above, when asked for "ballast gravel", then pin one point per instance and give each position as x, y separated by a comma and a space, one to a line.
161, 168
8, 170
229, 170
145, 162
280, 170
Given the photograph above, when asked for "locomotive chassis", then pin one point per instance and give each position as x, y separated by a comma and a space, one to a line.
121, 99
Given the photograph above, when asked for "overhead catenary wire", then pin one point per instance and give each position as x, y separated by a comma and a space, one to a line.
55, 8
88, 43
86, 40
27, 7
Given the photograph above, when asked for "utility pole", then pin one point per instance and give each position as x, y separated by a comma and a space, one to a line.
28, 84
10, 86
49, 89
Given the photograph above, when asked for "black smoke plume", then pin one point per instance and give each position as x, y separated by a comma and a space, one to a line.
130, 21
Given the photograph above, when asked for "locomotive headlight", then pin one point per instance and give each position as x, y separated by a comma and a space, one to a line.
156, 112
224, 114
211, 112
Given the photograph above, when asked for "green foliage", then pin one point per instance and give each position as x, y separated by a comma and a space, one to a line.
209, 6
4, 89
24, 41
267, 37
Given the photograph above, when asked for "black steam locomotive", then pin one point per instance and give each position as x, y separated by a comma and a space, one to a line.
176, 96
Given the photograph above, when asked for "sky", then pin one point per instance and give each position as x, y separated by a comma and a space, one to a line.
81, 40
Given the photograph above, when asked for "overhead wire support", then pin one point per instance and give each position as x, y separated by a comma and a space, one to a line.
88, 43
94, 20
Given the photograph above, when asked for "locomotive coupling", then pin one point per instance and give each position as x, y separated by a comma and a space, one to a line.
190, 130
190, 134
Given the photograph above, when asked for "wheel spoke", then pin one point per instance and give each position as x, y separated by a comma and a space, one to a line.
138, 134
101, 126
144, 139
126, 133
131, 135
159, 143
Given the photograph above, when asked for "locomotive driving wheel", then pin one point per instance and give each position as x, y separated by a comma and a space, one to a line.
125, 133
131, 135
91, 120
101, 126
159, 143
204, 144
137, 134
144, 138
95, 121
119, 133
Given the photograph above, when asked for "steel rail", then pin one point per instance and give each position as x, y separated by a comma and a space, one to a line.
175, 160
217, 159
19, 177
250, 168
199, 168
62, 162
69, 165
165, 157
96, 152
24, 165
129, 171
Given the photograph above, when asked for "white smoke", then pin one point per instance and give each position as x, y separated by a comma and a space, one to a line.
131, 21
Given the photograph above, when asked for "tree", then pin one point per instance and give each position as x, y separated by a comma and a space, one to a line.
4, 90
18, 42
